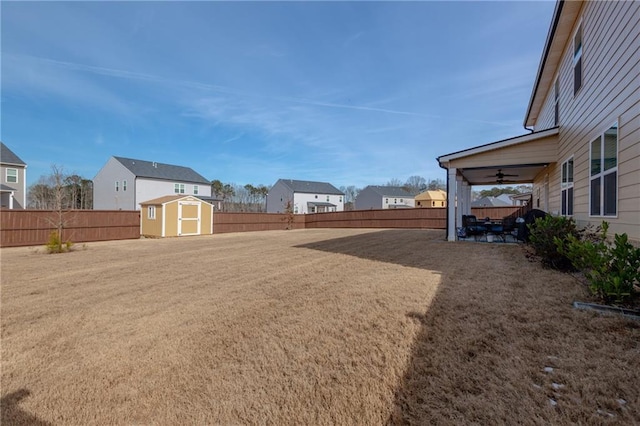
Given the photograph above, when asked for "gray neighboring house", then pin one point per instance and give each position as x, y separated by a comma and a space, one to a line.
124, 183
305, 197
13, 189
384, 197
490, 202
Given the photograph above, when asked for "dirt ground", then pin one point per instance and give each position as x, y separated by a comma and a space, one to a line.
307, 327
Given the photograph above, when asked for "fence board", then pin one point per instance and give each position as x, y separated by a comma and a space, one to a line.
32, 227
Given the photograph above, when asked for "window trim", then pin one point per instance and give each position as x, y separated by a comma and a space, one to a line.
117, 186
566, 186
124, 185
577, 58
178, 188
151, 212
6, 176
602, 173
195, 190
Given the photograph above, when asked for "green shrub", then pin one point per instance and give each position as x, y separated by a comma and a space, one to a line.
612, 269
543, 234
56, 245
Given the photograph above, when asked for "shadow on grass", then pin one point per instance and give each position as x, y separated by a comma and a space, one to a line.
485, 340
12, 414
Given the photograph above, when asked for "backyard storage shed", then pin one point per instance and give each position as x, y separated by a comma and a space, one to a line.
176, 216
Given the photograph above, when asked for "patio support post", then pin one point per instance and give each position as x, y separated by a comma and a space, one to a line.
451, 204
461, 202
467, 198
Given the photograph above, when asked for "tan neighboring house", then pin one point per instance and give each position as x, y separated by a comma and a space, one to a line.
583, 152
431, 199
13, 186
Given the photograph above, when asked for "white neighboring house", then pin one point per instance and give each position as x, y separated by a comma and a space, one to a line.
13, 186
304, 196
123, 183
384, 197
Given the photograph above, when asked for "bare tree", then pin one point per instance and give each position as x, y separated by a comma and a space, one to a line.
435, 184
416, 184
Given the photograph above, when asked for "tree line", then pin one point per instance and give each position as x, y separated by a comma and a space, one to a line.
60, 190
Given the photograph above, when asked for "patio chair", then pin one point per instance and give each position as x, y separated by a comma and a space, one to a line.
472, 227
508, 227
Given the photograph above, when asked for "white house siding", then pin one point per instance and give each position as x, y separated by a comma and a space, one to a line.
610, 92
105, 196
149, 189
370, 198
301, 200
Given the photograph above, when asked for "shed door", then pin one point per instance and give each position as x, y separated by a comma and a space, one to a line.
189, 218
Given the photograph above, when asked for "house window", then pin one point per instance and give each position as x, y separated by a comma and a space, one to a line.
395, 201
312, 209
316, 196
124, 185
178, 188
117, 186
603, 183
566, 187
340, 199
556, 113
12, 175
386, 201
151, 212
327, 198
577, 60
195, 189
433, 204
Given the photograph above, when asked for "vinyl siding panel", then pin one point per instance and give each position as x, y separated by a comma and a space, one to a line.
610, 92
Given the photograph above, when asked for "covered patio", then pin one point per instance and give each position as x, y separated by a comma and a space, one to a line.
519, 160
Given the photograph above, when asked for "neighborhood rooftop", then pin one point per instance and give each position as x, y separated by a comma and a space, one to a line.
311, 187
8, 157
391, 191
150, 169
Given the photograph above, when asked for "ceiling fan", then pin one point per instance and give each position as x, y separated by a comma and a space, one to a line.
500, 176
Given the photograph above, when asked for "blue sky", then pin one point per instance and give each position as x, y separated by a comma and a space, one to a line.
353, 93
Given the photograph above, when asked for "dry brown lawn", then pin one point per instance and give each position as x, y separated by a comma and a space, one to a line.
307, 327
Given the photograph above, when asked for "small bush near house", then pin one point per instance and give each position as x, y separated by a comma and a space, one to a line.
56, 245
612, 269
543, 235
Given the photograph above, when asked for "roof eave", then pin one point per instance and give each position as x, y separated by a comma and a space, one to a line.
564, 17
443, 159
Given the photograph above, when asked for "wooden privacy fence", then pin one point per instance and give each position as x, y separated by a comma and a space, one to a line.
396, 218
32, 227
244, 222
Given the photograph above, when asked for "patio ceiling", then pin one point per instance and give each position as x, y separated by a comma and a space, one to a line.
511, 161
513, 174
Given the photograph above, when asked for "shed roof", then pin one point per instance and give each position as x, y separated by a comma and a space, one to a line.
151, 169
310, 187
168, 199
9, 157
